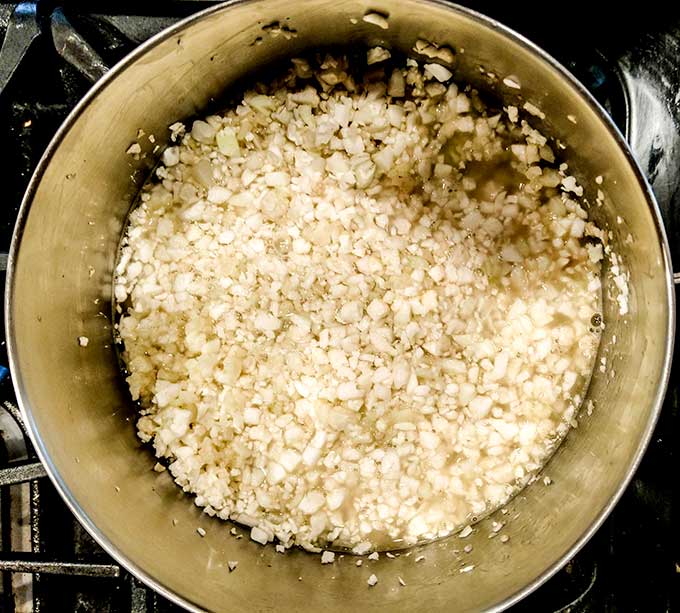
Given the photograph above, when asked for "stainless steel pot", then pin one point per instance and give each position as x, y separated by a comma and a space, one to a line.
75, 402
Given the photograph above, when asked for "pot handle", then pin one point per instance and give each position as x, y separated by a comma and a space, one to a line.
652, 122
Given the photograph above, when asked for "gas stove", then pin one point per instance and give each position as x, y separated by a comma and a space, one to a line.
53, 51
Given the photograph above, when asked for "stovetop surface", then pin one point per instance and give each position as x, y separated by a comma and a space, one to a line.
632, 563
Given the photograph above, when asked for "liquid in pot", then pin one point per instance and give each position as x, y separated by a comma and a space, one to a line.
358, 306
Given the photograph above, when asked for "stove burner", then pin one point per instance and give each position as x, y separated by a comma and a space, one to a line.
49, 562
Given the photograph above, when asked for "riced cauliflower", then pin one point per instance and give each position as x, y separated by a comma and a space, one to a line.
356, 312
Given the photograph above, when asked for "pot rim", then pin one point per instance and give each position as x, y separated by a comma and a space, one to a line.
485, 21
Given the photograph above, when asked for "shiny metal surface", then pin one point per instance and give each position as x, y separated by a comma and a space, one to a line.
19, 473
27, 563
649, 77
74, 48
22, 30
75, 403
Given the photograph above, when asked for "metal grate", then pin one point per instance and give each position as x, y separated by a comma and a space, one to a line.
48, 562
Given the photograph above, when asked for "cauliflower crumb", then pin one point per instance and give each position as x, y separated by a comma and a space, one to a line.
570, 185
512, 82
376, 55
439, 72
532, 109
376, 19
327, 557
434, 51
83, 341
259, 536
372, 580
